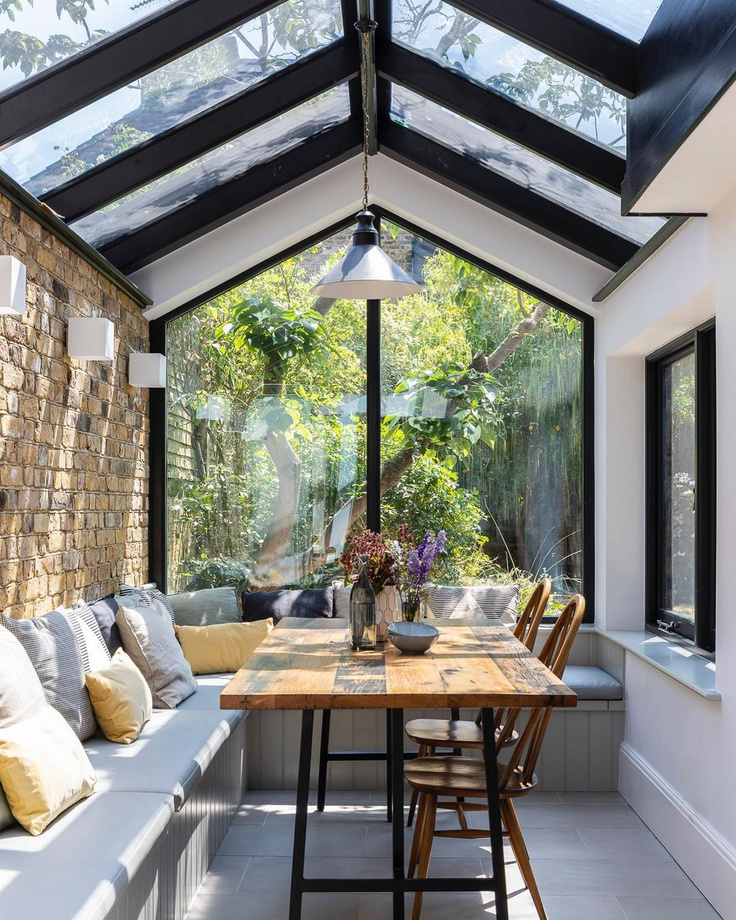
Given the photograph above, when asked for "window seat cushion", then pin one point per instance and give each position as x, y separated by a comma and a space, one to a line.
82, 862
170, 756
592, 683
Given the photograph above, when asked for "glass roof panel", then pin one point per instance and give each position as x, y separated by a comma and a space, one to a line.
37, 35
490, 57
628, 17
518, 164
165, 98
227, 162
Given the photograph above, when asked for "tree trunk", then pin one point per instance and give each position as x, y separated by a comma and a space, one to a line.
288, 470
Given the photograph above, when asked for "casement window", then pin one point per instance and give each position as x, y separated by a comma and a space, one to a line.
681, 489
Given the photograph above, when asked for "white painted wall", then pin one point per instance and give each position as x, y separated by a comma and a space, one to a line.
679, 756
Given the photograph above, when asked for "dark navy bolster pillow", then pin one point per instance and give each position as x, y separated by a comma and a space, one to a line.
302, 602
105, 611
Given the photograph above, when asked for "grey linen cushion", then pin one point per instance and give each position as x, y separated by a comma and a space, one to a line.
149, 638
146, 596
498, 602
52, 648
207, 607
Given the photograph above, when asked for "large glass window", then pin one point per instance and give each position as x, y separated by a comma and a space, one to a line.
481, 429
158, 101
219, 166
631, 18
682, 489
496, 60
522, 166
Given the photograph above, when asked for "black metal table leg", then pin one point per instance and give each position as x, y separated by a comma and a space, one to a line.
396, 772
300, 822
324, 756
389, 777
494, 816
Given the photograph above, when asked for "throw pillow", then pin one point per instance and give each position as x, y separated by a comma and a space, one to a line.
150, 640
91, 645
104, 611
121, 699
498, 602
221, 648
43, 767
206, 608
342, 600
275, 605
50, 644
145, 596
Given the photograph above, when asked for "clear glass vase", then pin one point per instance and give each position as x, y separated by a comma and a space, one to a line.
363, 612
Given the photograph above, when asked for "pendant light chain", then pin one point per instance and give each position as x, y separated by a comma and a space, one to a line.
365, 54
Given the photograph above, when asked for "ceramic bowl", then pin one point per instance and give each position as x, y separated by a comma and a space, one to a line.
413, 638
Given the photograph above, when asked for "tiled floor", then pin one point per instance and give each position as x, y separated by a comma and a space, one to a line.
593, 858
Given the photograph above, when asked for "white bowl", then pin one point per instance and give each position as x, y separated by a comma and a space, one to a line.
413, 638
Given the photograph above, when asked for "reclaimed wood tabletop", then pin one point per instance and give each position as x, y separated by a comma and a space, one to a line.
306, 664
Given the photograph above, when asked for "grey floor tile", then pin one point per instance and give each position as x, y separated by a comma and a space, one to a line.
247, 840
588, 907
553, 843
612, 877
274, 872
579, 816
224, 874
333, 814
588, 798
623, 843
539, 798
667, 909
253, 905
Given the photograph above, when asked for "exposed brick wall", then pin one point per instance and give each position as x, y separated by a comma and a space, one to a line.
73, 435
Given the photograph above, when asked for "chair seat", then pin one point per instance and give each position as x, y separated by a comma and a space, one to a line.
463, 777
450, 733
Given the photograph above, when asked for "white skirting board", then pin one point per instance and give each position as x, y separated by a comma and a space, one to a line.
701, 851
580, 752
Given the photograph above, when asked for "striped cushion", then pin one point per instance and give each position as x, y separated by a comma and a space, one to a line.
92, 648
498, 602
147, 596
50, 644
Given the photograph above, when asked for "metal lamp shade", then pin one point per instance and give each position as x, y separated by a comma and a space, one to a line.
365, 272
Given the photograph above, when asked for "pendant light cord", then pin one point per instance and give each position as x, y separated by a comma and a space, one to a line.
365, 27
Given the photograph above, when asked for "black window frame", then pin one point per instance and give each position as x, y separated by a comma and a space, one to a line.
700, 636
158, 512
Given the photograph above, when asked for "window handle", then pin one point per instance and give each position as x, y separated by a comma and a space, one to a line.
667, 626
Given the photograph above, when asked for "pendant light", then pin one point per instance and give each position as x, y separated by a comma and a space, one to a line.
365, 272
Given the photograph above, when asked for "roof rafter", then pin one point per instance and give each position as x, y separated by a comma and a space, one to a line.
162, 154
495, 191
502, 115
225, 202
116, 60
569, 37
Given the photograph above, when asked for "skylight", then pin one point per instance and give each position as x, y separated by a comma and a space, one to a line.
192, 83
497, 61
229, 161
631, 18
518, 164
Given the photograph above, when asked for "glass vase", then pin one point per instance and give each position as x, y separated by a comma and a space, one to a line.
363, 612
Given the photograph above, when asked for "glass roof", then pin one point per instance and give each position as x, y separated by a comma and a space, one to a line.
496, 60
219, 166
165, 98
37, 35
628, 17
518, 164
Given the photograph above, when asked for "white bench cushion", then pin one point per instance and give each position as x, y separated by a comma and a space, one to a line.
170, 756
82, 862
207, 697
592, 683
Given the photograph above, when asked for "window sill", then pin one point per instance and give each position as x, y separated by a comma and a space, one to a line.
677, 661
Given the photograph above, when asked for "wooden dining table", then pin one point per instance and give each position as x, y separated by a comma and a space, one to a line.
306, 664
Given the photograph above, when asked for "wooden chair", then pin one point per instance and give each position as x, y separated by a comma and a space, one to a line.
462, 778
430, 734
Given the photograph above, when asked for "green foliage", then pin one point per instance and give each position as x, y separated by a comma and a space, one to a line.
216, 572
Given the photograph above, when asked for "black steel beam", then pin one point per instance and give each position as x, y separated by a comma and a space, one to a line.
226, 202
495, 191
566, 35
180, 145
497, 112
116, 60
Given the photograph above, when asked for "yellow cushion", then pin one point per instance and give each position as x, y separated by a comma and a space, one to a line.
43, 769
120, 698
222, 647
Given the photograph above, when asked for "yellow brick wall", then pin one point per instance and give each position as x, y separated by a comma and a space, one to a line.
73, 435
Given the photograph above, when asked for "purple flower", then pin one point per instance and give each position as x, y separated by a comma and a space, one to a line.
419, 562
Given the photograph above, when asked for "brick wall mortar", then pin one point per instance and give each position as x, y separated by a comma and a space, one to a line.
74, 436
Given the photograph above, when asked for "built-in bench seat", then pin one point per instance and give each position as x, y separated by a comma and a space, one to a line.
142, 843
591, 683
